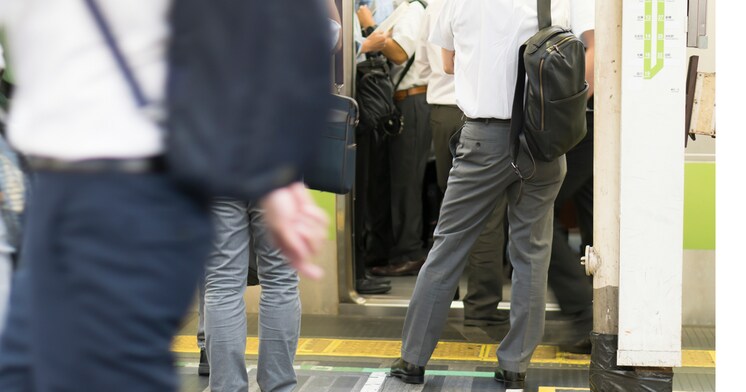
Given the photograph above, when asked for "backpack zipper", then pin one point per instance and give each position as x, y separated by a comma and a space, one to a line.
556, 46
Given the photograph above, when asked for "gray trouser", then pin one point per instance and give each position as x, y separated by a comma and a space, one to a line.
485, 289
225, 310
482, 178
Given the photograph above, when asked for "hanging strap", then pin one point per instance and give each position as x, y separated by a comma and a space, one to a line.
544, 8
116, 52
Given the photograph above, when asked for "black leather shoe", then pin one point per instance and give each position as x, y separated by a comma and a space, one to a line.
577, 339
501, 317
511, 380
407, 372
411, 267
204, 366
368, 286
582, 346
377, 279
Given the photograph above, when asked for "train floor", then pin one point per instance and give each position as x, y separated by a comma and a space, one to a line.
353, 353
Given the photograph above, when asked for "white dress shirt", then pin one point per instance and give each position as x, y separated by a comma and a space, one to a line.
71, 101
486, 36
428, 63
406, 33
381, 9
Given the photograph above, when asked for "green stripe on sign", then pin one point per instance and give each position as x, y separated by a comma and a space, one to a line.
328, 202
699, 205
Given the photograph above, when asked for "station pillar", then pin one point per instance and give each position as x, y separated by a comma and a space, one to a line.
636, 257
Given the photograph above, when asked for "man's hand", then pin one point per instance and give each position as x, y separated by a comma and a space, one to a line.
365, 16
298, 226
374, 43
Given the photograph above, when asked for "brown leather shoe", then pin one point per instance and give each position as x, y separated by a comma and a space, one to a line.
410, 267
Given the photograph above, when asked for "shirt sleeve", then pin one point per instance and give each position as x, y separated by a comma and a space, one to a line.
422, 62
442, 32
583, 16
407, 30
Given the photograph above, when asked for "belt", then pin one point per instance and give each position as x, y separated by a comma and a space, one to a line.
132, 166
401, 94
489, 120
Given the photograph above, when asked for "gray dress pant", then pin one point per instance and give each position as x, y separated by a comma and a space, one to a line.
481, 179
225, 311
485, 289
567, 278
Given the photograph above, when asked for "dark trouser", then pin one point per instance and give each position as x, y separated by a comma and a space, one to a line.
408, 154
567, 278
445, 121
112, 263
372, 227
485, 286
390, 173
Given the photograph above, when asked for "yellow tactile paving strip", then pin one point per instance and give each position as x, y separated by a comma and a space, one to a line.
449, 351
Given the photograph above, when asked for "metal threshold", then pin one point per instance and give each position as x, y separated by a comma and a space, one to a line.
380, 306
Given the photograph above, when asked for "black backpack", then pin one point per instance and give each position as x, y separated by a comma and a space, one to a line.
551, 119
245, 104
374, 93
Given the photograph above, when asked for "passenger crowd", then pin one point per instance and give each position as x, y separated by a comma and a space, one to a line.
101, 250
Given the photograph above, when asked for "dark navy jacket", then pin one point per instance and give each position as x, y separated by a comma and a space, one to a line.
255, 72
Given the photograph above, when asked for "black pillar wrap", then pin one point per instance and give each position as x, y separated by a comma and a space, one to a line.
607, 376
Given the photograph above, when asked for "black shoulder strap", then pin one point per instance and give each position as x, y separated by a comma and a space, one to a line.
516, 117
404, 73
544, 7
117, 53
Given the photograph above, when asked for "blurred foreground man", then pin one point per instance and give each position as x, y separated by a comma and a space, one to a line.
114, 246
480, 39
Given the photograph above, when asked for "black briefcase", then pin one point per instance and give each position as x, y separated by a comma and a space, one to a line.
332, 168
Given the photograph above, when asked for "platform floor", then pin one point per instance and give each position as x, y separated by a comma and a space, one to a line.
353, 353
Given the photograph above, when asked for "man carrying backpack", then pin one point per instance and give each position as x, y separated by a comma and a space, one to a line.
114, 244
484, 288
399, 160
480, 41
